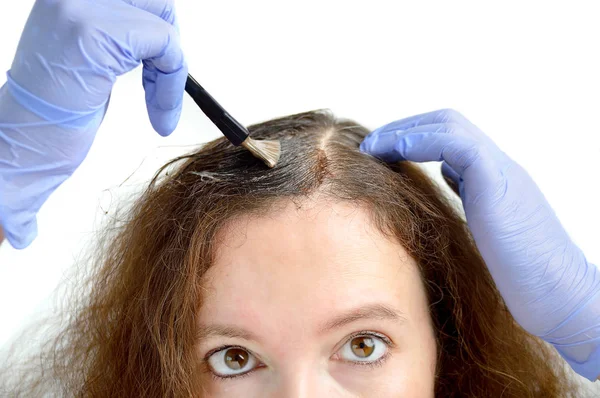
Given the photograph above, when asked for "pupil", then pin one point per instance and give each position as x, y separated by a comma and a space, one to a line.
363, 346
236, 358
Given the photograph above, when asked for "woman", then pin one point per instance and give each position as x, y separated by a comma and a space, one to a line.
331, 275
56, 96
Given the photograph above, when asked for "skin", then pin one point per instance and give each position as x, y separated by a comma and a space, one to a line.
300, 284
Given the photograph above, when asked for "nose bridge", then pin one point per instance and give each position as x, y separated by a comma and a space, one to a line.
301, 367
307, 380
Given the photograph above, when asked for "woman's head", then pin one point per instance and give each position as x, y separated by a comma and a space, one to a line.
332, 274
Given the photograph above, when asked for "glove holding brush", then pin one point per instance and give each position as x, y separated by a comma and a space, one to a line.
58, 90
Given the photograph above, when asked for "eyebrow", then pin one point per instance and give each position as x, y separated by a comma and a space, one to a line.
233, 332
371, 311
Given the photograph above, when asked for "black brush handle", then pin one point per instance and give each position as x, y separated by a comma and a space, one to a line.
231, 128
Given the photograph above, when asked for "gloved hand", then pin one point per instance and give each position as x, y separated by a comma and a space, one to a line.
58, 89
546, 281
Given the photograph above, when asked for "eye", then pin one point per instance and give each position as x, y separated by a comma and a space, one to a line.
364, 348
231, 362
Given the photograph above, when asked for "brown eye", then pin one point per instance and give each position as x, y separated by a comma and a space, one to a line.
232, 361
363, 346
236, 358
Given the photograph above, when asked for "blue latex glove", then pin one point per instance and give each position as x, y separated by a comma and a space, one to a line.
546, 281
58, 89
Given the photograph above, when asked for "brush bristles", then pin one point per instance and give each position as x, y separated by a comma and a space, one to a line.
267, 151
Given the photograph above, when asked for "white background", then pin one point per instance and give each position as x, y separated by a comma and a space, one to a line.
527, 73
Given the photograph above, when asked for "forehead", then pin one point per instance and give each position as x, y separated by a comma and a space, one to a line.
321, 256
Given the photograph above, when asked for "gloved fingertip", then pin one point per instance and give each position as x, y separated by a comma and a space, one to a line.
381, 149
25, 235
164, 97
449, 172
367, 144
373, 133
164, 122
452, 178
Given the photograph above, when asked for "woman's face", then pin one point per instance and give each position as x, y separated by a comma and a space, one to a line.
314, 302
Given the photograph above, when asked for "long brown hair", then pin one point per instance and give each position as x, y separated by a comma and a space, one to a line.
133, 332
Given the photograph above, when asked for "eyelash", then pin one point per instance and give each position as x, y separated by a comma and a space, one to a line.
371, 365
238, 376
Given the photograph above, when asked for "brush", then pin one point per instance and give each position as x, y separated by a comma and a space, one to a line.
265, 150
